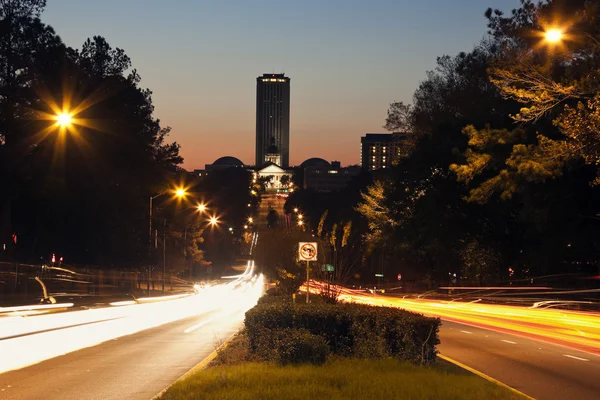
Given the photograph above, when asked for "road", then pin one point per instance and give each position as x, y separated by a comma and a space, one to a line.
132, 367
127, 351
539, 369
543, 352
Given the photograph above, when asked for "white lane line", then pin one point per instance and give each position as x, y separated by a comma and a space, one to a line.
576, 358
198, 325
470, 333
508, 341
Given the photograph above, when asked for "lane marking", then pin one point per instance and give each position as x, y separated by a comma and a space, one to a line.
576, 358
198, 325
509, 341
470, 333
524, 335
484, 376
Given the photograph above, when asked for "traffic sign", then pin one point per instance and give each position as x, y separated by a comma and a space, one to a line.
327, 268
399, 277
379, 275
307, 251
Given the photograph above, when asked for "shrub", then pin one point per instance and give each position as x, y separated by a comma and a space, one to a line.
351, 329
296, 346
290, 346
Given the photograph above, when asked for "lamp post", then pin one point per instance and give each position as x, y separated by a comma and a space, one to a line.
201, 209
180, 193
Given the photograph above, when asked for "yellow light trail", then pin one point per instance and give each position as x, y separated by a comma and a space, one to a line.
580, 330
29, 340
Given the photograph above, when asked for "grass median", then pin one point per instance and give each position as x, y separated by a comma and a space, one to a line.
339, 378
236, 374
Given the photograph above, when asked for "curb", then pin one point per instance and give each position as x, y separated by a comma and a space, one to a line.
484, 376
201, 365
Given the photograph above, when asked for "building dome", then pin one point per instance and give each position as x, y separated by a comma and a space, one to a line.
228, 161
315, 163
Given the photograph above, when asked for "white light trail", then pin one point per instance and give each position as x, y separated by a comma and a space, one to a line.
29, 340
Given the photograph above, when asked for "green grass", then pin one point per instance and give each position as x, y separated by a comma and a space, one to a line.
339, 378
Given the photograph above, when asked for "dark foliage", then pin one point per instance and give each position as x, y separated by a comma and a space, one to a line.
350, 329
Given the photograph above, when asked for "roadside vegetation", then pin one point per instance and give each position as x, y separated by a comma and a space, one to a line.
339, 378
333, 351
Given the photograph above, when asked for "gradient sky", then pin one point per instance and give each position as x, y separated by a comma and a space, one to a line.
347, 60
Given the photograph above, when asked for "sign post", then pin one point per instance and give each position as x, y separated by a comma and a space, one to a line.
307, 251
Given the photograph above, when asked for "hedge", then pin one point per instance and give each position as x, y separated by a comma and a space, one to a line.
291, 346
349, 329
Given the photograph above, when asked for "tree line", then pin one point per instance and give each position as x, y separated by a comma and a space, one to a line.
80, 191
499, 178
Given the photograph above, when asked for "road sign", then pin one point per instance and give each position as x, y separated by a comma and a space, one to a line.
399, 277
379, 275
307, 251
327, 268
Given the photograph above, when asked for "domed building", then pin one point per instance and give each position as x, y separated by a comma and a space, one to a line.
224, 163
315, 162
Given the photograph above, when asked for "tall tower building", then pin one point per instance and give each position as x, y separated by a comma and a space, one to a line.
273, 119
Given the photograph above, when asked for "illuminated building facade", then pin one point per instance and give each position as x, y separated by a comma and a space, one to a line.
273, 119
381, 150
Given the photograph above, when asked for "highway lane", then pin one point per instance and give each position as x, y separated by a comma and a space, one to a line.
539, 369
133, 367
545, 353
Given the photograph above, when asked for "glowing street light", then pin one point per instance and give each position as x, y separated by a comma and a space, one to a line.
213, 221
64, 119
300, 223
296, 209
180, 192
250, 219
300, 216
553, 35
201, 208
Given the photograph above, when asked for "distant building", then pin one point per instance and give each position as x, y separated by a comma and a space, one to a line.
381, 150
276, 173
224, 163
273, 119
323, 176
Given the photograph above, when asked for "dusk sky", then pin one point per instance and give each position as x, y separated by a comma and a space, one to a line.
347, 61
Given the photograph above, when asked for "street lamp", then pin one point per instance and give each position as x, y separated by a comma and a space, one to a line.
553, 35
296, 209
201, 208
180, 193
64, 119
250, 220
213, 221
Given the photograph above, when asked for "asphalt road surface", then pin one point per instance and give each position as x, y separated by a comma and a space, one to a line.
536, 368
131, 367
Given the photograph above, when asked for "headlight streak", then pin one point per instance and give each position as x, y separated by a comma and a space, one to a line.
580, 330
26, 341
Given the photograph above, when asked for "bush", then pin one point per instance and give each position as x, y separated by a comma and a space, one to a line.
290, 346
296, 346
350, 329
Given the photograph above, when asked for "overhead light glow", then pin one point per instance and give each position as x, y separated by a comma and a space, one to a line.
553, 35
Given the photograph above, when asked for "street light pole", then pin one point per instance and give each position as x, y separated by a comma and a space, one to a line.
150, 246
179, 192
164, 254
